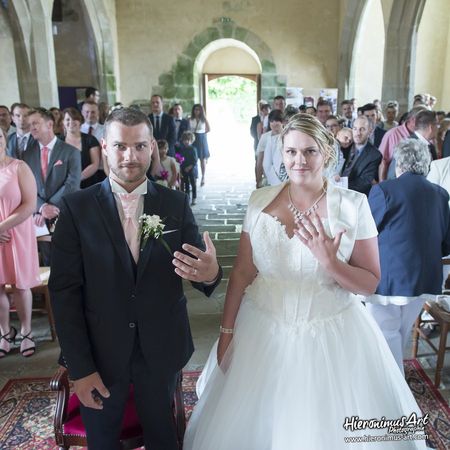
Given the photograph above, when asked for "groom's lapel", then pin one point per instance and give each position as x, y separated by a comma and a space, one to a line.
112, 223
152, 205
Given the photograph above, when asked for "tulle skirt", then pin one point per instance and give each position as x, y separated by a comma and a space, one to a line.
283, 387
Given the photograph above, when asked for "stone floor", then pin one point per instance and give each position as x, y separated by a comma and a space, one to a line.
220, 210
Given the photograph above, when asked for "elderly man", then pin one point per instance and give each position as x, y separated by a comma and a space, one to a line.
117, 293
363, 160
413, 221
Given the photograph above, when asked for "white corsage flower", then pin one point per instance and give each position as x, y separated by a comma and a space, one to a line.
152, 227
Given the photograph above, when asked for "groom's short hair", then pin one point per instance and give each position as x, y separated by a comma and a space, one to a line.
129, 117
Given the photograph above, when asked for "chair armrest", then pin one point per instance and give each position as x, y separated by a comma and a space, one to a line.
60, 384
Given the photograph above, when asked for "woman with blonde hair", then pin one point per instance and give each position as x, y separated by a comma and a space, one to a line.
298, 353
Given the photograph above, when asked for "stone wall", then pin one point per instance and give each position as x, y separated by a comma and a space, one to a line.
295, 40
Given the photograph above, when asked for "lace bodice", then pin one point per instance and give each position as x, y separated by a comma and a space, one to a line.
291, 283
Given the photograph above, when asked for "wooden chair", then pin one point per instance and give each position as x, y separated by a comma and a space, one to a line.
442, 317
41, 290
69, 428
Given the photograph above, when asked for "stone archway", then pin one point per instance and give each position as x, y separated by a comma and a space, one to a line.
400, 51
180, 84
349, 31
102, 23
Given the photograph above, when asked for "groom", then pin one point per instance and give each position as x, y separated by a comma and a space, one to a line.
118, 300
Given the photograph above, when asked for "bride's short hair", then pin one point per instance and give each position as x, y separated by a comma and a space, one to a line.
305, 123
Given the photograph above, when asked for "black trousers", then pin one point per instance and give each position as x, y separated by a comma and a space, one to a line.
188, 179
153, 394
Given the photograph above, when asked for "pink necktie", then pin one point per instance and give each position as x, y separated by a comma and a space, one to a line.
44, 162
130, 224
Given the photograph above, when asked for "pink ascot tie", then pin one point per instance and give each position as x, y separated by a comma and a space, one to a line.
130, 203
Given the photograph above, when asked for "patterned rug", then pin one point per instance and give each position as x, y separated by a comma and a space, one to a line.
430, 401
26, 410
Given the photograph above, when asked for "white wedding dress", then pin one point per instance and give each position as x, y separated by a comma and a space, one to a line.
305, 355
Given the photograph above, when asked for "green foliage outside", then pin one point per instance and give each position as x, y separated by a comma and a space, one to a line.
239, 92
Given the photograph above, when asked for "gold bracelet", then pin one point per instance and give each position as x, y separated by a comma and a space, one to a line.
226, 330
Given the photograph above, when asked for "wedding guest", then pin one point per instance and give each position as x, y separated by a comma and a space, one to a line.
187, 169
5, 121
199, 125
58, 126
440, 136
311, 110
120, 312
181, 124
345, 139
20, 141
18, 249
407, 209
169, 165
87, 144
293, 337
391, 115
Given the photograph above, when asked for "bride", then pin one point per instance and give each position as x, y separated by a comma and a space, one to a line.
298, 356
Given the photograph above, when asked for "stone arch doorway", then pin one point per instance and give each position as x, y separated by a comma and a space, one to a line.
183, 85
225, 57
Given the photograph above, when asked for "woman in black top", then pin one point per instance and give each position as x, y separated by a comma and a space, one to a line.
86, 143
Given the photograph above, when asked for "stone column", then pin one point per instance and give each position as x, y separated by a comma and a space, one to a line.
400, 48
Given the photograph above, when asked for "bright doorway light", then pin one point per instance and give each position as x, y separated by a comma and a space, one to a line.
231, 104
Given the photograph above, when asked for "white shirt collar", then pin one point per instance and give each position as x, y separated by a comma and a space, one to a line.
21, 136
421, 138
50, 145
116, 188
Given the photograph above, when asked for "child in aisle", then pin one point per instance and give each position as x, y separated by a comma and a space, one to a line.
189, 153
170, 173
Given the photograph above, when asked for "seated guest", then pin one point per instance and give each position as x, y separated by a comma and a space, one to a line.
87, 144
413, 221
324, 110
363, 160
56, 167
21, 140
18, 250
91, 94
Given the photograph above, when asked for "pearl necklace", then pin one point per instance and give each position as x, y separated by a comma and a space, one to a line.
298, 215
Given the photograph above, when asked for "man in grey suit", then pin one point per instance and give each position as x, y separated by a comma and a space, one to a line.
56, 167
21, 140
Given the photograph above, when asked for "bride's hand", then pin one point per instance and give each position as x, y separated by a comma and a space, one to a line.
222, 346
312, 234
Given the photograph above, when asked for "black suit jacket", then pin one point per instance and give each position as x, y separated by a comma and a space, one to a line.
365, 169
378, 136
446, 146
12, 150
184, 126
166, 131
254, 130
102, 301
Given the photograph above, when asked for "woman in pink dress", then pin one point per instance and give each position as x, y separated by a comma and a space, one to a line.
19, 265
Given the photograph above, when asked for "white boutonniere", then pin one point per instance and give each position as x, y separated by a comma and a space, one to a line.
152, 227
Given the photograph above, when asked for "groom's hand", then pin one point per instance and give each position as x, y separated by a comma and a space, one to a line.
88, 388
201, 267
